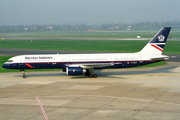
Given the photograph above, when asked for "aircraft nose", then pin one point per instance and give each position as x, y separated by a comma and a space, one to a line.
5, 65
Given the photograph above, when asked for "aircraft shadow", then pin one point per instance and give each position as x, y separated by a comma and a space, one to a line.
43, 74
129, 72
109, 73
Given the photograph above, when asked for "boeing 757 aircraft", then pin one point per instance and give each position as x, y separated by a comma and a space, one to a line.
77, 64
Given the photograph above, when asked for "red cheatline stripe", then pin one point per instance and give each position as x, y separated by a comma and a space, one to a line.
28, 65
156, 47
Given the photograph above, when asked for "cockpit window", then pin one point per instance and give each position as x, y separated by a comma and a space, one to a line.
10, 61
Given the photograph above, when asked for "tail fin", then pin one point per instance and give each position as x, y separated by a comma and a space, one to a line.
157, 43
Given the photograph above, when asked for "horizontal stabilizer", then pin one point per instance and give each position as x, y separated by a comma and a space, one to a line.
160, 58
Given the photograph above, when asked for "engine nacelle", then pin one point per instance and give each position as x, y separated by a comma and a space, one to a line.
74, 70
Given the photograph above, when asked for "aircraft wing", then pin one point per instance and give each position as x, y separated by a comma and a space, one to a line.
91, 65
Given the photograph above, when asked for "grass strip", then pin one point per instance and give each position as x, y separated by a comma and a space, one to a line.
87, 45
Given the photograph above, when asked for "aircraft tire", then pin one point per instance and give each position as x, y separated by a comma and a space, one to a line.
24, 76
94, 76
90, 76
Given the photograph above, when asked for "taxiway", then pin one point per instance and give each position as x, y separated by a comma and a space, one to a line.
133, 94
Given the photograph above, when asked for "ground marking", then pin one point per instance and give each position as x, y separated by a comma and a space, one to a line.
42, 109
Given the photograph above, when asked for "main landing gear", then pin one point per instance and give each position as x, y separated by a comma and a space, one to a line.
90, 73
23, 73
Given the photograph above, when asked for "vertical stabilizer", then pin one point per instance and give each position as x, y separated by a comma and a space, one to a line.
157, 43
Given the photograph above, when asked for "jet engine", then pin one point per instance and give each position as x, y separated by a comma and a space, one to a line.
74, 71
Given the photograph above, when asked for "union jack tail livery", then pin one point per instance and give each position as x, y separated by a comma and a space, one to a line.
157, 43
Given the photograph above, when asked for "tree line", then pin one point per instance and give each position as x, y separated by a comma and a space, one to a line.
83, 27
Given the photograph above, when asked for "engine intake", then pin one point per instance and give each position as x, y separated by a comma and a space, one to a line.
74, 70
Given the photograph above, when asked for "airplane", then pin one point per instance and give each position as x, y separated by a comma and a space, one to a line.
78, 64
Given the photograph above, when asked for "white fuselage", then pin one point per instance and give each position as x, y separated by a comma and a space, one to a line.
64, 60
106, 57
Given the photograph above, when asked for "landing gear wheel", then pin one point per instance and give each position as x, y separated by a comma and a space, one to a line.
94, 76
90, 76
90, 73
24, 76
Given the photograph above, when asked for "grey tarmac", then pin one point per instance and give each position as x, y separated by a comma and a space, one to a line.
117, 94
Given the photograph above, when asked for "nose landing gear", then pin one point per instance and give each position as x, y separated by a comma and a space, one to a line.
23, 73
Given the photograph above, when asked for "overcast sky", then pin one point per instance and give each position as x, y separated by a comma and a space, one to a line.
27, 12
